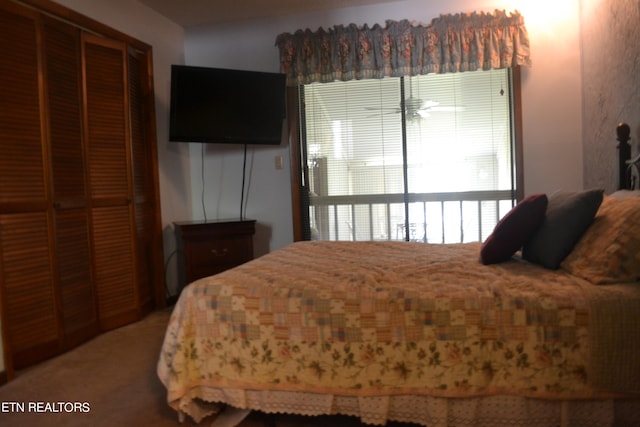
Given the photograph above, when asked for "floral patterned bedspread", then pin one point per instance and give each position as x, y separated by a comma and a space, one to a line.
384, 318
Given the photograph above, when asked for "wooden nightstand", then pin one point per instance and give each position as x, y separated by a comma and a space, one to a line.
210, 247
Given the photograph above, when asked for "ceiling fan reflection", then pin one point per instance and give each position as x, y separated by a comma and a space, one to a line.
416, 108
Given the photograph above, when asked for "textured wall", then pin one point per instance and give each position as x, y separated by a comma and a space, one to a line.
610, 31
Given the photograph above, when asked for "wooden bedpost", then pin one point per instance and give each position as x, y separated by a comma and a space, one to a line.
624, 153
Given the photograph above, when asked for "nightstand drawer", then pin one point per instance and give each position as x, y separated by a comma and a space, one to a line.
206, 248
218, 252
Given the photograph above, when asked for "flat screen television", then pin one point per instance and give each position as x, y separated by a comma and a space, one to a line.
217, 105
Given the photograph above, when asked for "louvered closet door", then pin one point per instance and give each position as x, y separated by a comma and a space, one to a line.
143, 151
26, 273
107, 135
61, 44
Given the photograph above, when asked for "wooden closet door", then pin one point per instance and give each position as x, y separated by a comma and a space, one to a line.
27, 273
144, 153
72, 205
109, 166
62, 60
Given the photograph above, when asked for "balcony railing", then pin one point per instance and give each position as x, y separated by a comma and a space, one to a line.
426, 217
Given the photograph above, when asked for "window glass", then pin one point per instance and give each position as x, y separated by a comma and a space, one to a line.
441, 172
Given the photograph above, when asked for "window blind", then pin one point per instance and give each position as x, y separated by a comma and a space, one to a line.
389, 157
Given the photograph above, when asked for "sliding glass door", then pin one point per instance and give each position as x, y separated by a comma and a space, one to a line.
426, 158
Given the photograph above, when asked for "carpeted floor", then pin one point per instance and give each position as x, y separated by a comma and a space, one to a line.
111, 378
112, 381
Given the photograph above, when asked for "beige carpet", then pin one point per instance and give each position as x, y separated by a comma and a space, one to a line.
113, 373
112, 381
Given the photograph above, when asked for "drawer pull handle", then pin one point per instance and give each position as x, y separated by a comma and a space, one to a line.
224, 252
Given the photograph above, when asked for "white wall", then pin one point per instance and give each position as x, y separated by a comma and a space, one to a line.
611, 89
551, 92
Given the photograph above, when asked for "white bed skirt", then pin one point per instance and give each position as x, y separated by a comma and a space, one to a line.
489, 411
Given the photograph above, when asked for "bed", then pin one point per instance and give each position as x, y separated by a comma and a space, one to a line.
537, 326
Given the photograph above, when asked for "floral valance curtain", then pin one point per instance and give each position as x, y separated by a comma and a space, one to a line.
451, 43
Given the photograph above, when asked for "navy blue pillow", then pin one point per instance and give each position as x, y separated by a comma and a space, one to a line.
514, 229
568, 216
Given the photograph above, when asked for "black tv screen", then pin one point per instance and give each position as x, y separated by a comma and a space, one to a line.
217, 105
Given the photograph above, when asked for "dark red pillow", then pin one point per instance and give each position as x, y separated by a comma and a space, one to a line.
514, 229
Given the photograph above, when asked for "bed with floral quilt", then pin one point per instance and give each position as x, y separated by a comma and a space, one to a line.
539, 325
